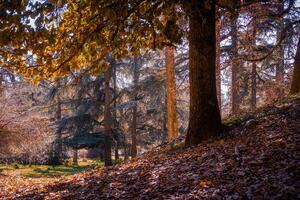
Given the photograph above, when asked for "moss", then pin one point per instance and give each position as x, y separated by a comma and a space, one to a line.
233, 119
175, 146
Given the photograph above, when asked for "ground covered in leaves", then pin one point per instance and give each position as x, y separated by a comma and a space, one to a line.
258, 159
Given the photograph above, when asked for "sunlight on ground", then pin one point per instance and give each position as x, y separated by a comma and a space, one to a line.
46, 171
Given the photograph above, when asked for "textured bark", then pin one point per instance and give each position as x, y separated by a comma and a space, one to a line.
172, 123
218, 62
114, 68
235, 74
1, 85
136, 75
280, 63
295, 88
107, 117
205, 120
253, 71
57, 160
75, 157
253, 86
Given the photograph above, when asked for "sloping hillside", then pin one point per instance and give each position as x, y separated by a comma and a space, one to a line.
258, 159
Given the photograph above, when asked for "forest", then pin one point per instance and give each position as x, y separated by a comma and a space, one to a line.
149, 99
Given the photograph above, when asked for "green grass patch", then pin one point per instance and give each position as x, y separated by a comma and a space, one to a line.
47, 171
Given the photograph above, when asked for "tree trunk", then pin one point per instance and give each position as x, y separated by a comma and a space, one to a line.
57, 160
295, 88
253, 71
235, 76
126, 155
280, 63
205, 120
107, 118
253, 86
1, 84
218, 62
172, 123
114, 68
164, 137
134, 109
75, 157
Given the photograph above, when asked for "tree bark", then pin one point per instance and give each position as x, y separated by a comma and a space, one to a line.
75, 157
58, 140
295, 88
235, 74
280, 63
218, 62
205, 120
172, 123
134, 109
107, 118
1, 84
253, 71
114, 68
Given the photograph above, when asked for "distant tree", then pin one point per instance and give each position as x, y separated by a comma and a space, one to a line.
107, 117
136, 75
235, 67
295, 88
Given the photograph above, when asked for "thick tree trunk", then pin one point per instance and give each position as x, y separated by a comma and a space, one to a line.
172, 123
295, 88
235, 67
107, 118
136, 75
218, 62
205, 120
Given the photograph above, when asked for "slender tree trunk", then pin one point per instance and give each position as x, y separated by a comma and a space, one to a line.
1, 84
75, 157
253, 71
58, 136
280, 63
115, 110
164, 123
218, 62
235, 74
134, 109
205, 120
295, 88
253, 86
172, 123
107, 118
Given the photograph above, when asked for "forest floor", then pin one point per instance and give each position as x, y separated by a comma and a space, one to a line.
258, 158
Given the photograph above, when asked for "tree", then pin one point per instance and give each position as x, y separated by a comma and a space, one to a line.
172, 123
89, 30
205, 120
280, 56
253, 70
235, 67
136, 75
295, 88
218, 62
107, 117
